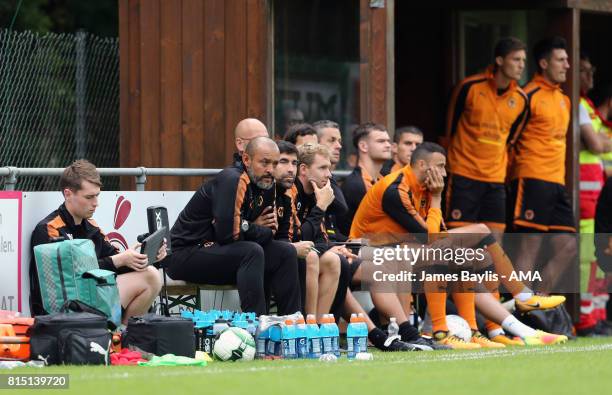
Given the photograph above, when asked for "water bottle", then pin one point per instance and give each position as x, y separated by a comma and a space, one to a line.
363, 333
289, 340
335, 333
326, 336
251, 327
352, 337
393, 328
301, 338
274, 347
219, 326
314, 337
261, 341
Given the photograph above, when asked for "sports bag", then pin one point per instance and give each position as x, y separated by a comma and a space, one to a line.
71, 339
68, 271
161, 335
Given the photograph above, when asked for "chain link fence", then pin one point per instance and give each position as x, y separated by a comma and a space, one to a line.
59, 101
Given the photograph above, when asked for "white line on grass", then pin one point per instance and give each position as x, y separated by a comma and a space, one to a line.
419, 357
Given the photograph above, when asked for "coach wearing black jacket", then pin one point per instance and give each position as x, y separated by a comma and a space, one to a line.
224, 235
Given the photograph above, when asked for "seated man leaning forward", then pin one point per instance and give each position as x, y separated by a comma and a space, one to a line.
224, 235
138, 282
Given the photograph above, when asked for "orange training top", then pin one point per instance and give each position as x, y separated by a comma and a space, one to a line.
398, 204
540, 152
480, 124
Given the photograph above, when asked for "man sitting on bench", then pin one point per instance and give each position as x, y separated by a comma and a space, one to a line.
137, 281
225, 237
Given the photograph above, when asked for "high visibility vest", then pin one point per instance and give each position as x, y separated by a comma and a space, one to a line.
592, 177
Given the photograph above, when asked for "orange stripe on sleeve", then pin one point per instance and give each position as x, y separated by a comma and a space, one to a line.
243, 183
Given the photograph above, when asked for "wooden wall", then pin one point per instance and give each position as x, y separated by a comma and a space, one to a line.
189, 70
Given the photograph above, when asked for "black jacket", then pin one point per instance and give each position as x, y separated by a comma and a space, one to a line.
222, 211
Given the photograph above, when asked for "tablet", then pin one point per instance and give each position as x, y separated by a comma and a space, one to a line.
151, 244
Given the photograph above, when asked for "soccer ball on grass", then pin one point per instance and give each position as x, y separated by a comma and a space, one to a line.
234, 344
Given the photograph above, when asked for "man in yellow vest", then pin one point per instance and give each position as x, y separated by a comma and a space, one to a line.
595, 143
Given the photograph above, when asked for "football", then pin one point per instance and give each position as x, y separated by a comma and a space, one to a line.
459, 327
234, 344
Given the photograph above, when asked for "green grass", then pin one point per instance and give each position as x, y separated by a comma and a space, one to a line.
579, 367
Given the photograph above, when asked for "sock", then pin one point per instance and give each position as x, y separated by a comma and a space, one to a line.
512, 325
503, 267
493, 328
436, 305
466, 307
378, 338
408, 332
495, 332
524, 295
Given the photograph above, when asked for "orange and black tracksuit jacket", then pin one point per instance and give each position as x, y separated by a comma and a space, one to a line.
390, 166
397, 204
354, 188
221, 209
540, 152
286, 214
60, 225
480, 125
310, 219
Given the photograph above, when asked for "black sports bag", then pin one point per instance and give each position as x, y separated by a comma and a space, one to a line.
161, 335
70, 338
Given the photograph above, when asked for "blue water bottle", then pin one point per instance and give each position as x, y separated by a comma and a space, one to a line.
363, 333
352, 337
289, 340
335, 333
314, 337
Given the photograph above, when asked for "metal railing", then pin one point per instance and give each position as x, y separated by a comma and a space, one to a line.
11, 174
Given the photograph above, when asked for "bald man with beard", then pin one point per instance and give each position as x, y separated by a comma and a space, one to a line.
224, 236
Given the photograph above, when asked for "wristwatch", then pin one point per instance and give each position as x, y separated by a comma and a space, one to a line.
244, 225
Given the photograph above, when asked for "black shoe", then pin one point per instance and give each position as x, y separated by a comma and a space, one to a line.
395, 344
428, 344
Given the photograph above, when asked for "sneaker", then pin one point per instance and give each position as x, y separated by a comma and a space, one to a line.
538, 302
393, 343
443, 338
507, 340
427, 344
544, 339
484, 342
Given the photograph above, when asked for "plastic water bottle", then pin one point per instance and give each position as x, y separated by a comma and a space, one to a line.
301, 337
393, 328
314, 337
289, 340
326, 333
274, 347
363, 334
219, 326
335, 332
261, 342
352, 336
251, 327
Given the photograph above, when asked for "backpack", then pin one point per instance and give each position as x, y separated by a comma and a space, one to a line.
68, 271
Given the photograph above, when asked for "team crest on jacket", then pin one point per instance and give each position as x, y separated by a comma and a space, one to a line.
529, 214
511, 102
456, 214
280, 211
259, 201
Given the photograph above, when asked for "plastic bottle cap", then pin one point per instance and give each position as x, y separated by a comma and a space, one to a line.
289, 322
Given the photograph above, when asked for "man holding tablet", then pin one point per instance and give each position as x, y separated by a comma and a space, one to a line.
138, 282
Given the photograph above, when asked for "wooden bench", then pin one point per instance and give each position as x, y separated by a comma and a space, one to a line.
184, 294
